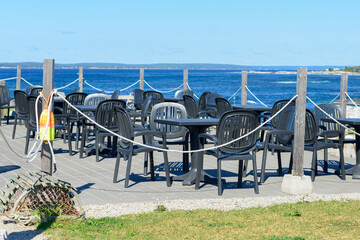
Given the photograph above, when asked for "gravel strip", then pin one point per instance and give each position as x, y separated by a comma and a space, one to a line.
114, 210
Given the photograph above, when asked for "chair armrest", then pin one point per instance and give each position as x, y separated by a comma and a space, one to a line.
322, 127
277, 132
149, 133
208, 136
331, 133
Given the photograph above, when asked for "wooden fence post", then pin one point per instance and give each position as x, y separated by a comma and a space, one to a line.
186, 79
48, 85
343, 90
243, 88
141, 85
81, 78
18, 78
297, 182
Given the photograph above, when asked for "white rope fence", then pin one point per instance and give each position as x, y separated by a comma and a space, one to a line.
351, 99
187, 84
233, 96
6, 79
335, 98
331, 117
26, 81
174, 150
68, 84
163, 91
255, 97
100, 90
33, 154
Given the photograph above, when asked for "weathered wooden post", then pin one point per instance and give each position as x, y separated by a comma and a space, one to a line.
297, 182
186, 80
343, 91
48, 85
141, 79
243, 87
81, 78
18, 78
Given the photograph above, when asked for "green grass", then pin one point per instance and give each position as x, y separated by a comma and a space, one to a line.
317, 220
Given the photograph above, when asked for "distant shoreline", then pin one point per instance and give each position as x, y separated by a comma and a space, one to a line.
336, 72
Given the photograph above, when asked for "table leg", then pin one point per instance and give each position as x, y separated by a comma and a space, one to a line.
196, 159
355, 171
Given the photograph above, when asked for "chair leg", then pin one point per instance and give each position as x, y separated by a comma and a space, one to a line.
326, 160
97, 145
278, 152
117, 166
314, 165
186, 158
245, 168
152, 168
263, 164
146, 157
8, 116
240, 174
256, 186
14, 129
27, 140
69, 140
167, 169
128, 168
291, 162
342, 163
219, 177
82, 145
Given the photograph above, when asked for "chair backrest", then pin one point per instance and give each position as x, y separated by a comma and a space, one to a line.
105, 112
168, 110
202, 101
29, 88
234, 124
146, 110
36, 91
75, 99
125, 126
76, 90
157, 97
5, 96
276, 107
21, 103
115, 94
181, 93
211, 104
222, 105
31, 100
331, 109
191, 106
138, 98
95, 98
287, 122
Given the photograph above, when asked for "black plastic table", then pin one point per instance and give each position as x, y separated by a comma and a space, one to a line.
195, 126
355, 122
256, 108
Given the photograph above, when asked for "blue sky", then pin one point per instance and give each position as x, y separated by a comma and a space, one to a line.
142, 31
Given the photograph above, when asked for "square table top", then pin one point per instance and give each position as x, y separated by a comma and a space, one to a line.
256, 108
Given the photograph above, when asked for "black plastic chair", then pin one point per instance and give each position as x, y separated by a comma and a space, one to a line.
21, 109
138, 98
115, 94
157, 97
5, 99
127, 149
106, 117
336, 112
31, 87
222, 106
232, 125
210, 107
202, 102
283, 137
71, 114
36, 91
31, 126
191, 106
175, 135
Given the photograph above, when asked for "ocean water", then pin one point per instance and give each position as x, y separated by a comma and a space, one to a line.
267, 87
